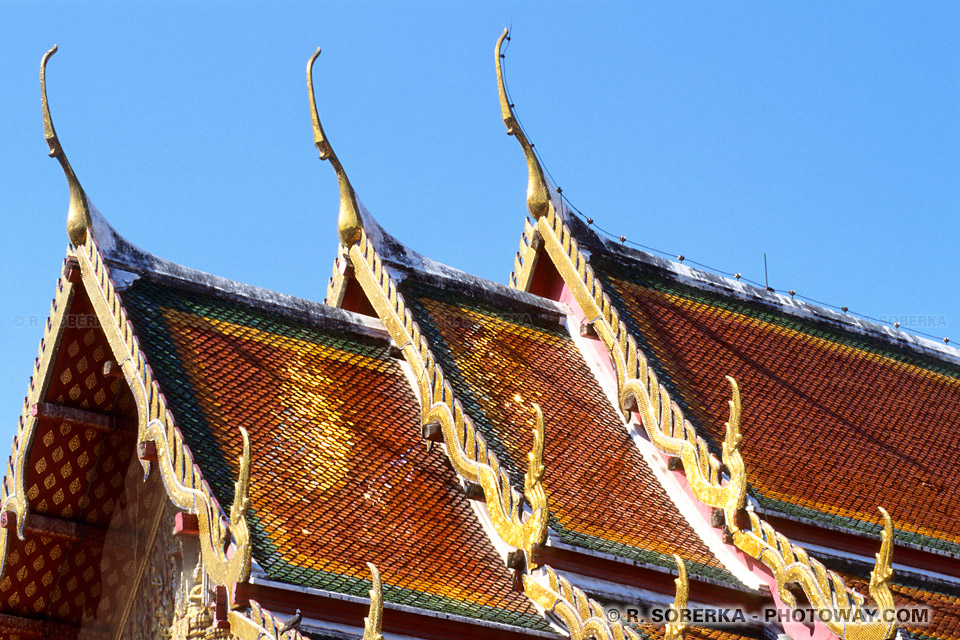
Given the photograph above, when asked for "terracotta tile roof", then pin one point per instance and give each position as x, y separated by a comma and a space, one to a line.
813, 395
340, 475
602, 494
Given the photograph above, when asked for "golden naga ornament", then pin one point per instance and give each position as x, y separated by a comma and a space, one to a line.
676, 629
639, 390
349, 222
13, 493
373, 623
465, 447
538, 195
582, 617
181, 477
78, 216
260, 624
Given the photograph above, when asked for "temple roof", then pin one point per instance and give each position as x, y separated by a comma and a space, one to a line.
818, 387
603, 495
340, 475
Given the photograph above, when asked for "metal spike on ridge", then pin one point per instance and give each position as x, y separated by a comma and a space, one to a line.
538, 195
78, 216
349, 223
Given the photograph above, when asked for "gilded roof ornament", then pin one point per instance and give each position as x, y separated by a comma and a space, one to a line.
78, 216
676, 628
349, 223
533, 479
883, 569
641, 392
538, 196
373, 623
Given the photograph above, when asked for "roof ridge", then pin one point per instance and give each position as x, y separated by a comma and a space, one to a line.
122, 255
726, 286
408, 261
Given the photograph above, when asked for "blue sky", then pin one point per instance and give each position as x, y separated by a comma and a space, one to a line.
826, 135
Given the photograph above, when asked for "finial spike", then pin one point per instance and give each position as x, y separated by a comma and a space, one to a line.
675, 630
78, 216
349, 224
538, 196
533, 479
373, 623
883, 568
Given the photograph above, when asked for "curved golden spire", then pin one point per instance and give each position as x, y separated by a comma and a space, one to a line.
78, 216
373, 623
538, 196
883, 568
349, 224
676, 628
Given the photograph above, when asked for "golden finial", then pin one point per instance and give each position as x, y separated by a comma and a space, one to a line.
676, 629
349, 223
373, 623
533, 479
78, 216
736, 490
538, 197
883, 569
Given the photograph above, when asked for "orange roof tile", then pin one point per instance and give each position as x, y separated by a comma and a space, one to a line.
602, 494
834, 423
340, 475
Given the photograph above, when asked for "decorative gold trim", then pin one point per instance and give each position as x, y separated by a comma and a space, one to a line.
640, 390
582, 617
336, 287
465, 447
675, 630
373, 623
538, 195
525, 262
181, 478
13, 491
349, 223
259, 624
78, 216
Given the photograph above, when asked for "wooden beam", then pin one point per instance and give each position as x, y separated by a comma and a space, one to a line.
185, 524
864, 545
90, 419
53, 527
147, 451
647, 578
432, 432
111, 369
474, 491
